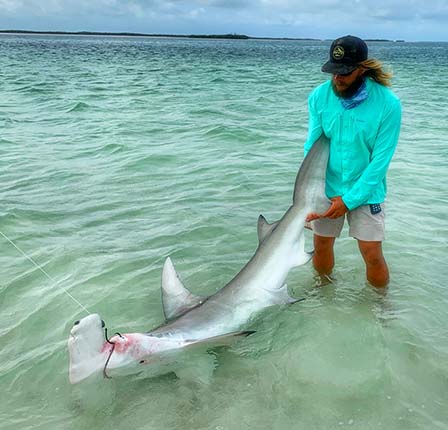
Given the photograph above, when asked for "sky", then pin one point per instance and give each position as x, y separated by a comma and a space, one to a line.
410, 20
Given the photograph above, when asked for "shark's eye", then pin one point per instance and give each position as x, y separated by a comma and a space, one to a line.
76, 322
142, 361
103, 324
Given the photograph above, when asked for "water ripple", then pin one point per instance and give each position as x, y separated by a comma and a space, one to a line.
119, 152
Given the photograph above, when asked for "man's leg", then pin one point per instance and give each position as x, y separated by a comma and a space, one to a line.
323, 257
377, 272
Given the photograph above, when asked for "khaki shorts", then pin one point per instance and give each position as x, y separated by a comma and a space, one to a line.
362, 225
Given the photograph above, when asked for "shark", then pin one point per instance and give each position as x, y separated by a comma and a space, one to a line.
194, 322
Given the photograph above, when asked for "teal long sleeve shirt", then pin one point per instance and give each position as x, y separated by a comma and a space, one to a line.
362, 141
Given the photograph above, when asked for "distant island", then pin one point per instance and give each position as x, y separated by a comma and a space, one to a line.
129, 34
187, 36
103, 33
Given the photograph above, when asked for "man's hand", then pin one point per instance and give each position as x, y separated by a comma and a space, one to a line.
336, 210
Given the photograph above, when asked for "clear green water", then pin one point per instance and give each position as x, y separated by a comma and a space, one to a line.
118, 152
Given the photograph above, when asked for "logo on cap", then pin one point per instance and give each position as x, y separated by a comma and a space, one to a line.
338, 53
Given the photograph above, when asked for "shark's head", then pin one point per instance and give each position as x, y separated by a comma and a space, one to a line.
86, 345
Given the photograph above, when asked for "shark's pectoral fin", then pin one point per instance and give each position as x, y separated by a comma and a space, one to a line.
264, 228
222, 340
196, 364
175, 297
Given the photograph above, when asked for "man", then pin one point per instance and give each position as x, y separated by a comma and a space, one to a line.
361, 116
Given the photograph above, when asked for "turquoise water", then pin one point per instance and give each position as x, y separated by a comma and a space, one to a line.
118, 152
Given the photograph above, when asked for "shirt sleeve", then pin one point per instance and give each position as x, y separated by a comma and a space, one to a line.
383, 150
314, 124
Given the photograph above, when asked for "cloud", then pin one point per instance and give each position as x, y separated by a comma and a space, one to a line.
230, 4
277, 18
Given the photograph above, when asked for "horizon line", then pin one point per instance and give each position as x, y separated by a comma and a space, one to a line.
193, 36
235, 36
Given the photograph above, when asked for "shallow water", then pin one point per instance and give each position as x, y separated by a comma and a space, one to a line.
118, 152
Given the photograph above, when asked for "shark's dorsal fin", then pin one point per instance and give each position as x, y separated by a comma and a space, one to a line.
264, 228
176, 298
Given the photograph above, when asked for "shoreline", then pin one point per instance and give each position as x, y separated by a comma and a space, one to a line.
231, 36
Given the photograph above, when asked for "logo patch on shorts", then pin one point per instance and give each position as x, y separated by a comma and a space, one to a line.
338, 53
375, 208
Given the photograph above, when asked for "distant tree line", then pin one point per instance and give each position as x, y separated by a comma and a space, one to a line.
192, 36
101, 33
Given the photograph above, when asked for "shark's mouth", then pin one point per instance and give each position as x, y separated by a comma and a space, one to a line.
110, 342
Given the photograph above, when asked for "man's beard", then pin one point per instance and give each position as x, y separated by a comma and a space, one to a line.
351, 90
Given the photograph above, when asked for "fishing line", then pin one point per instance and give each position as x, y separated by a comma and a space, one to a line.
43, 271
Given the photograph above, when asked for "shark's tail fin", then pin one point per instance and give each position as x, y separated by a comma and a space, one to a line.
309, 188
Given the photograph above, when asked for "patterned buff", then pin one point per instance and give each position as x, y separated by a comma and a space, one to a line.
357, 98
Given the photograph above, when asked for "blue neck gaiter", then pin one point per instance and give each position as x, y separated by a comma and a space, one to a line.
357, 98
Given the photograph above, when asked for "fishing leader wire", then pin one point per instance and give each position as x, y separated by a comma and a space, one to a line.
38, 266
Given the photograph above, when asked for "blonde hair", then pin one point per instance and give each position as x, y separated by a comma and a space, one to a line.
374, 69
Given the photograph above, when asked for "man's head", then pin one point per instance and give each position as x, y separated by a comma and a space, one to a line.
346, 55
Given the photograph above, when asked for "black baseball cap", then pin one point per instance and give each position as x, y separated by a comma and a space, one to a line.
345, 55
